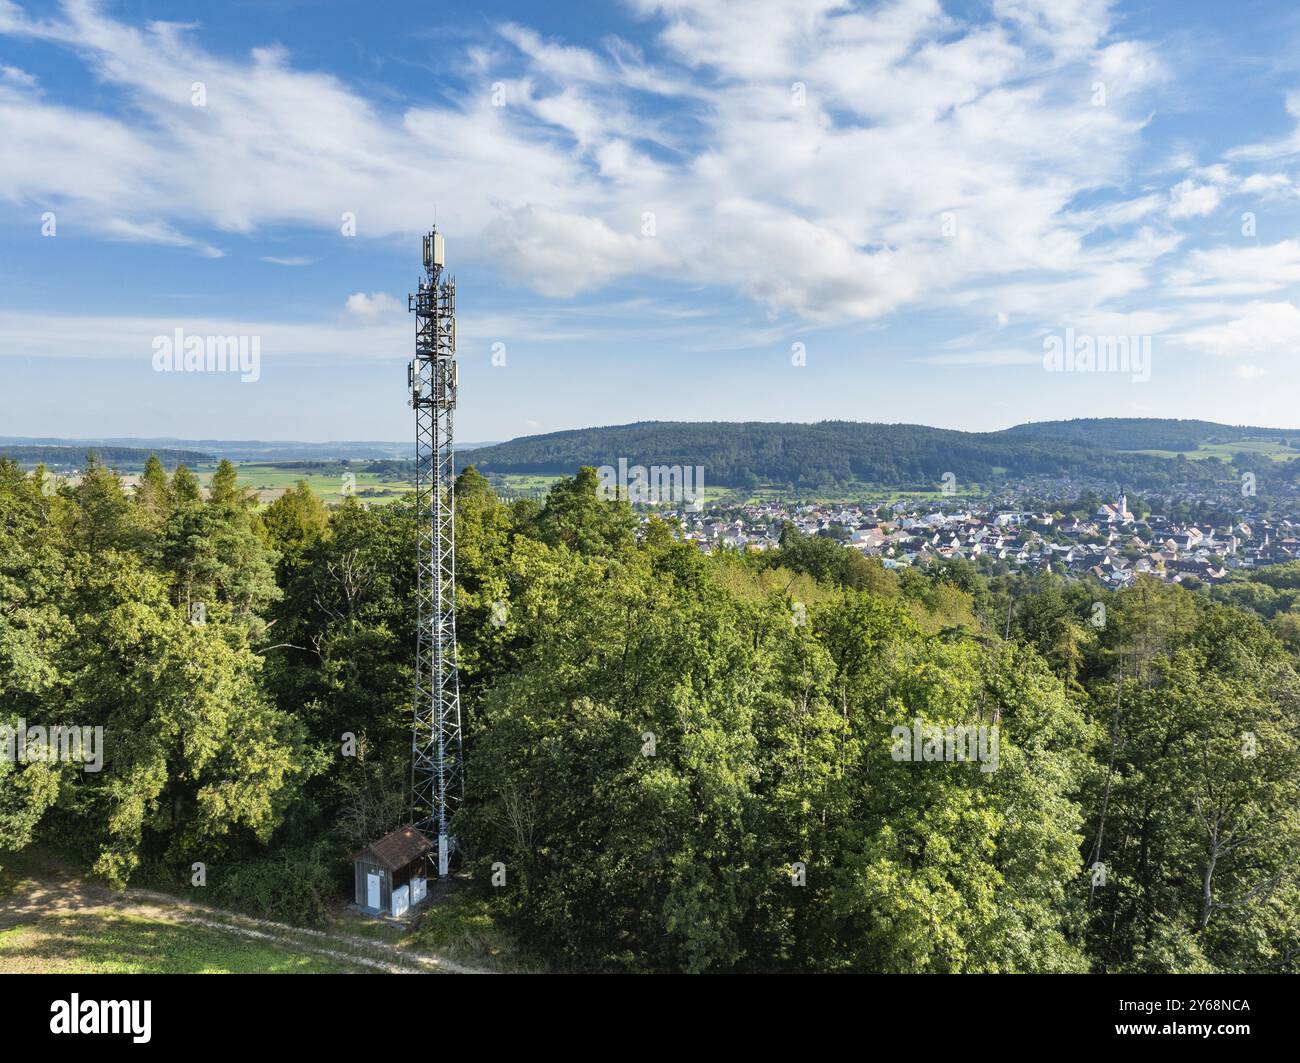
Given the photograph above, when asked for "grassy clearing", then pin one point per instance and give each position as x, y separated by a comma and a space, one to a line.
54, 919
100, 941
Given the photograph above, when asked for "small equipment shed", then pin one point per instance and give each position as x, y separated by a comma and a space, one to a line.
392, 873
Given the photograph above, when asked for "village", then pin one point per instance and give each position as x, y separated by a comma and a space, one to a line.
1112, 544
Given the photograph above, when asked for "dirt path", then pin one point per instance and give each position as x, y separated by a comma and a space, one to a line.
53, 892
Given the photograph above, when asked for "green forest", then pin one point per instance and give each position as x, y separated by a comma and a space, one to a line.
681, 762
838, 453
72, 455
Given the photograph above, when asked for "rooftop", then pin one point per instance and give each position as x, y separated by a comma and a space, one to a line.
394, 851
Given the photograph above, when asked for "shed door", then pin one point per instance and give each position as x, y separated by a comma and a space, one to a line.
372, 890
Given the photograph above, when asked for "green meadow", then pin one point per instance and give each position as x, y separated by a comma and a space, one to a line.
271, 481
1273, 449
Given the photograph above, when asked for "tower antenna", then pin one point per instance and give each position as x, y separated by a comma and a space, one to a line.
437, 773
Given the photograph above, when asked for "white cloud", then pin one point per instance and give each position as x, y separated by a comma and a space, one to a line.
274, 145
829, 208
562, 254
129, 337
346, 337
12, 75
360, 304
1261, 330
1248, 372
1248, 270
1268, 184
1187, 199
1126, 68
154, 231
1074, 25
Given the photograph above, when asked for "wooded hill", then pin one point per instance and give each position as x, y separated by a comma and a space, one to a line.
745, 454
687, 762
123, 458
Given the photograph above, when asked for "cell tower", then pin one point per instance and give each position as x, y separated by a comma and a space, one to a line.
437, 777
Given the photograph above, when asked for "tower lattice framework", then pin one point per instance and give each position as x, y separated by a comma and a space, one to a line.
437, 774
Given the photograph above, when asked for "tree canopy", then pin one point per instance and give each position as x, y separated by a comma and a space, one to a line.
682, 762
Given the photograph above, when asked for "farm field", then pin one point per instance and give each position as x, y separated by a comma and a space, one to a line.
513, 485
1269, 448
271, 481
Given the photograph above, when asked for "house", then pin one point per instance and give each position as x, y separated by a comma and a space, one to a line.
391, 874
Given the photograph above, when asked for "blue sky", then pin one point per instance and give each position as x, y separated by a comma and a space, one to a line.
648, 205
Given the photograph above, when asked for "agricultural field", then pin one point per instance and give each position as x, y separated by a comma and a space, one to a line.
1273, 449
511, 485
271, 481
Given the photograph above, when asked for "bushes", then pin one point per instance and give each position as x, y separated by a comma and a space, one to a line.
294, 885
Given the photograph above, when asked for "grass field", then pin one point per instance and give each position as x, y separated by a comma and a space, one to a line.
271, 481
1269, 448
102, 942
525, 485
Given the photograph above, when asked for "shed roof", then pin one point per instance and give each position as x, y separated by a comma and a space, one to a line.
403, 846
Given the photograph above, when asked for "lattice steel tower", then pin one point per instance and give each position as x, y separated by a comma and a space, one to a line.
437, 779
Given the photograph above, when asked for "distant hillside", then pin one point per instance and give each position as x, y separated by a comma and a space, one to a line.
234, 449
255, 450
1145, 433
126, 458
741, 454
